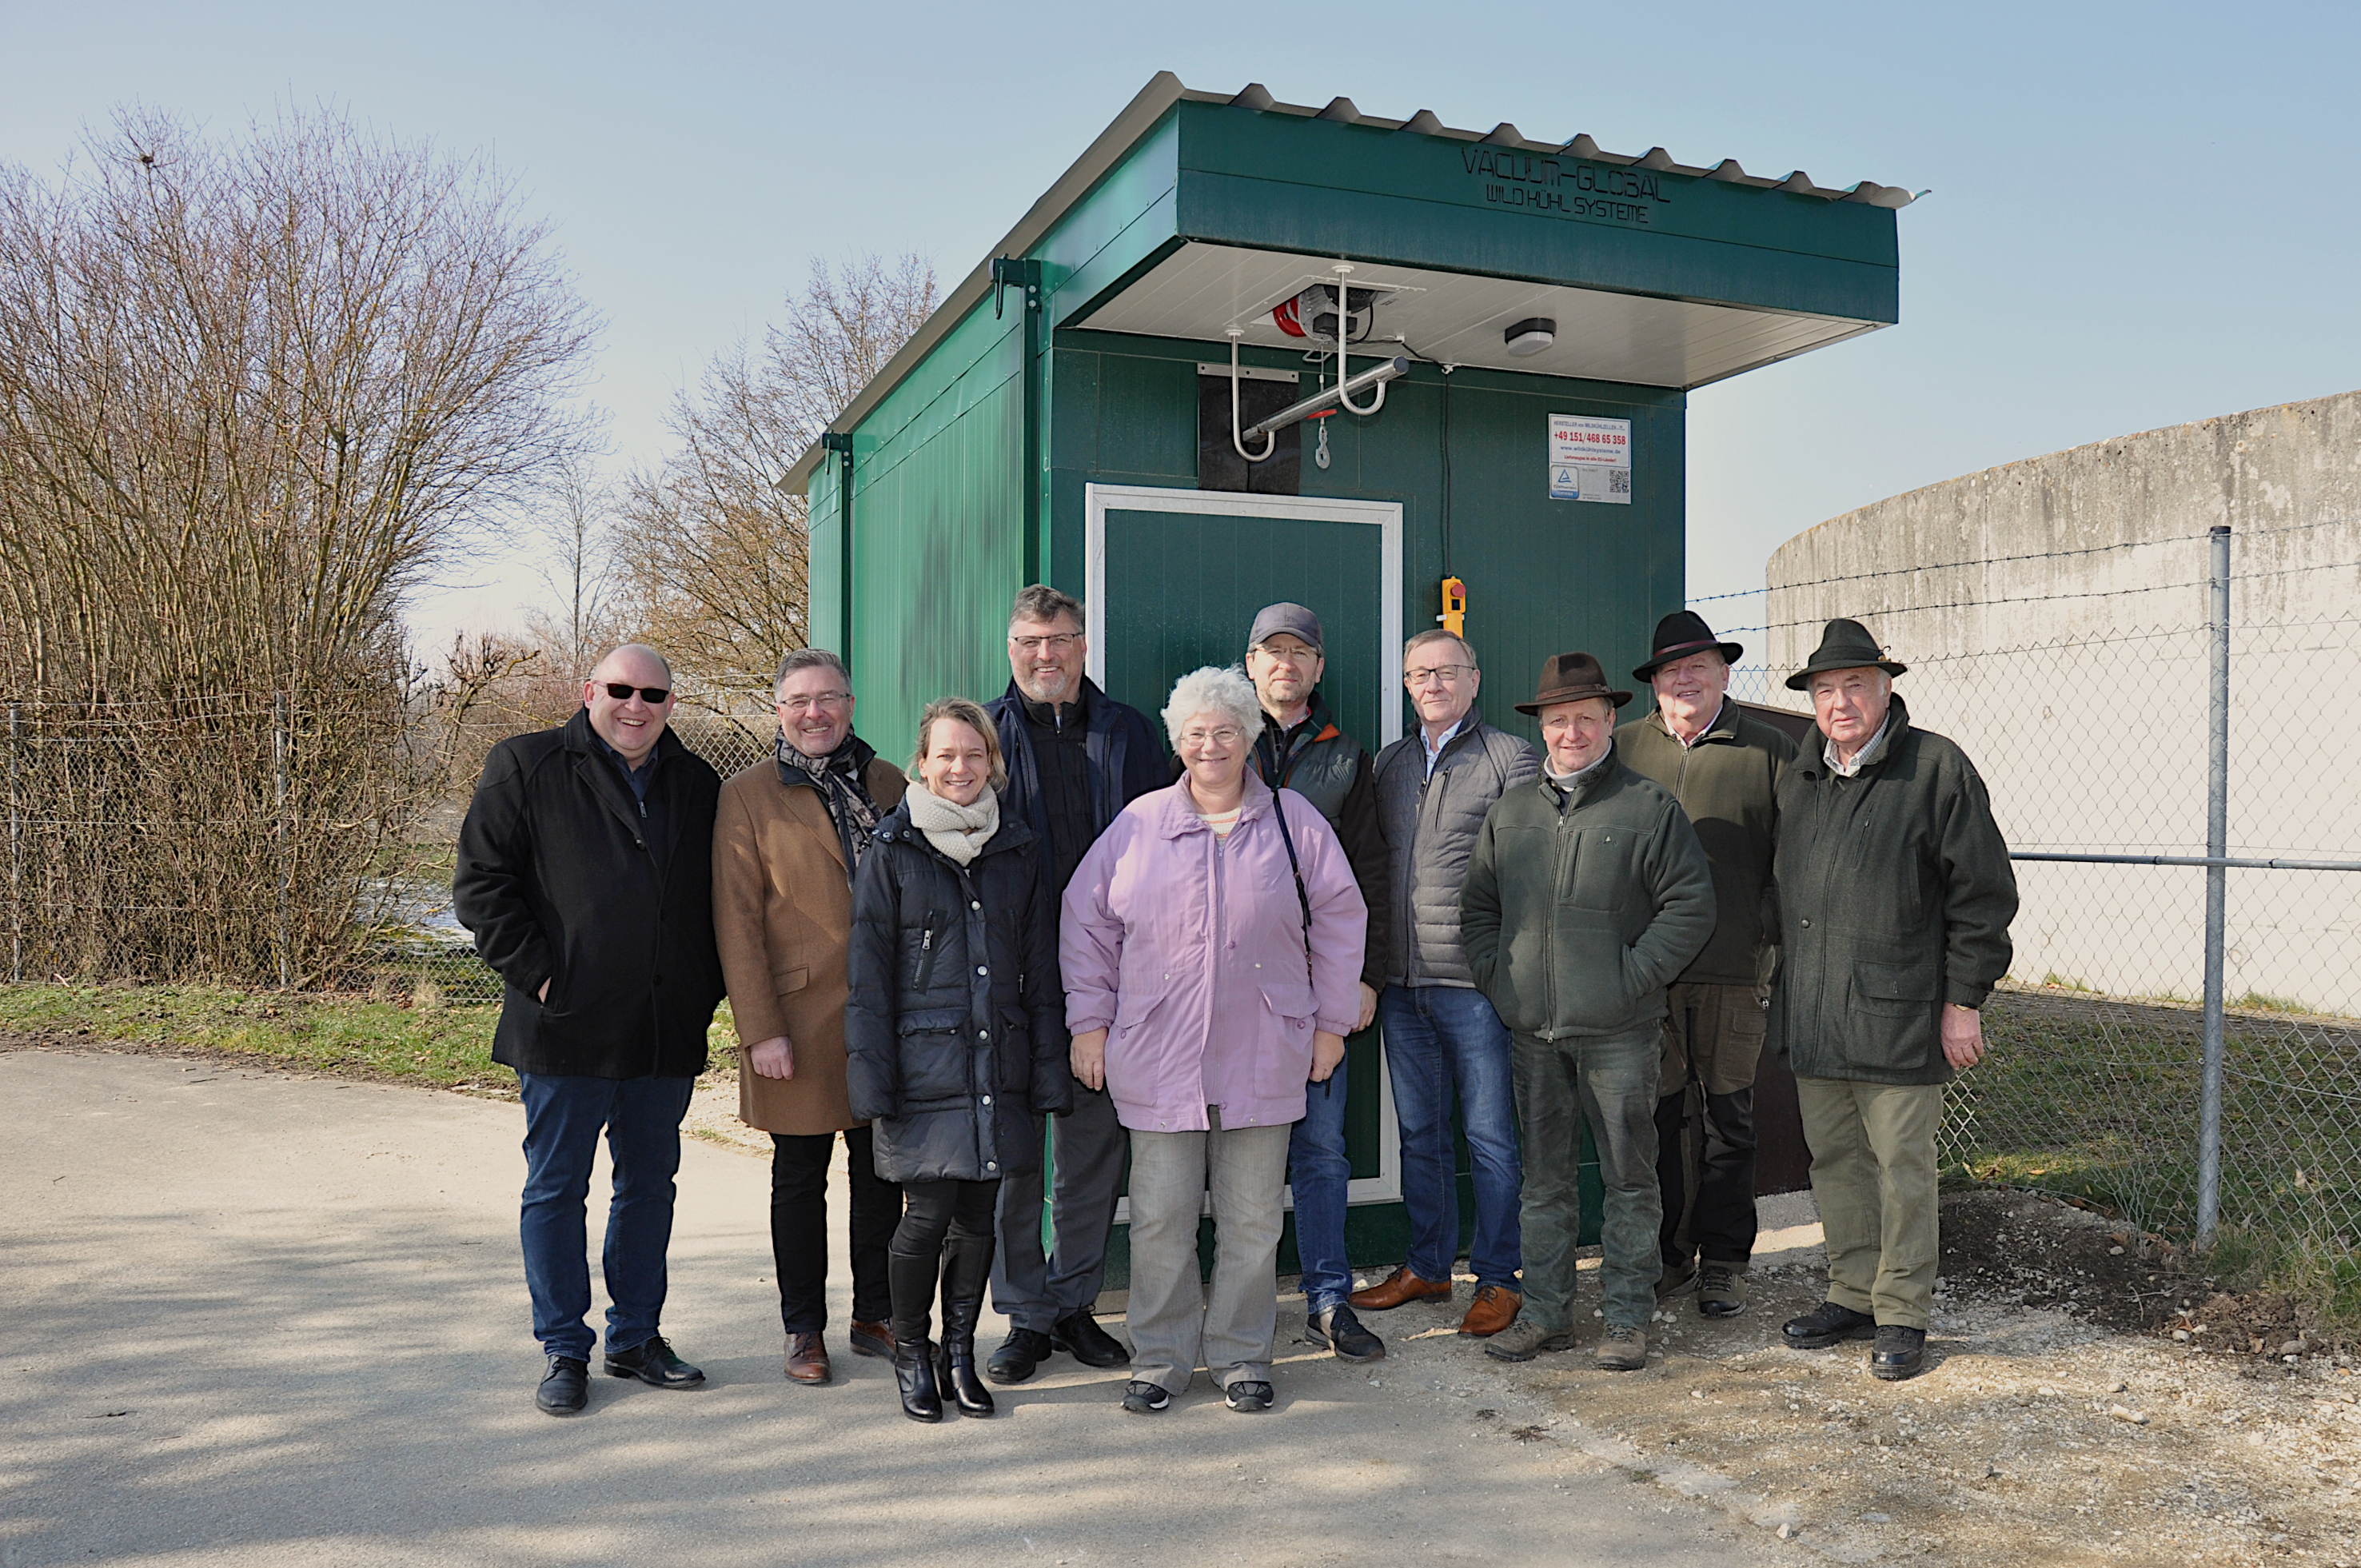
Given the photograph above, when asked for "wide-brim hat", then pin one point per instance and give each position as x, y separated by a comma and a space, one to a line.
1678, 635
1570, 677
1844, 645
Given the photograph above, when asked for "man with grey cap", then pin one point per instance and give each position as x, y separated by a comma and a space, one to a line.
1586, 893
1895, 896
1301, 748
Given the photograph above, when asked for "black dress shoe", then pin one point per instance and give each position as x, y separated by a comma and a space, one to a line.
1078, 1333
1825, 1324
653, 1363
1339, 1331
1019, 1354
565, 1387
1899, 1353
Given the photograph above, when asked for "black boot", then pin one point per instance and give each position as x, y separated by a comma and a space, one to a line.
967, 1264
912, 1282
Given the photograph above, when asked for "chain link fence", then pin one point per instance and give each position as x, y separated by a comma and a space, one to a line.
2103, 748
260, 839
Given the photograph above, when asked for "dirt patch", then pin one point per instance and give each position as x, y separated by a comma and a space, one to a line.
2059, 1423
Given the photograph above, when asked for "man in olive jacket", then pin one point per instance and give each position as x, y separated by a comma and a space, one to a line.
585, 873
1723, 765
1894, 898
1586, 892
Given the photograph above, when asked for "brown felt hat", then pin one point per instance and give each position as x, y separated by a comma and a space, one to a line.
1570, 677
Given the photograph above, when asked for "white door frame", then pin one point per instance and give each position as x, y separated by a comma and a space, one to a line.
1387, 518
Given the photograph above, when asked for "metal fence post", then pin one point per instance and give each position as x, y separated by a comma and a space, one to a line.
2217, 884
279, 770
16, 851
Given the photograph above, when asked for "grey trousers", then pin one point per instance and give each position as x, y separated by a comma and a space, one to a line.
1873, 1177
1031, 1288
1609, 1084
1173, 1324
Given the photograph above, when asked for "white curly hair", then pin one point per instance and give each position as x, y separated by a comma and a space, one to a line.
1213, 689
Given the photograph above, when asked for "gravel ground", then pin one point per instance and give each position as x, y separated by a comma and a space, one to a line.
2038, 1436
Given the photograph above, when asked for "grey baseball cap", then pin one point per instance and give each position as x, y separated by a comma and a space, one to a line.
1292, 620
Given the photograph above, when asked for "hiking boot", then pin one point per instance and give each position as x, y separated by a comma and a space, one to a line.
1721, 1290
1625, 1349
1339, 1331
1676, 1278
1523, 1341
1825, 1324
1899, 1353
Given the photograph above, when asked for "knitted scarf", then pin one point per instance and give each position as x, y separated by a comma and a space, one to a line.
961, 832
841, 778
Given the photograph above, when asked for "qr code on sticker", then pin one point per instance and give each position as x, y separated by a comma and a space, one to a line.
1619, 481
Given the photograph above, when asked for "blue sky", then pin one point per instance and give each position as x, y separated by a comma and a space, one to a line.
2141, 214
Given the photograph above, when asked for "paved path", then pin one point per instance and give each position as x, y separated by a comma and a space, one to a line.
268, 1319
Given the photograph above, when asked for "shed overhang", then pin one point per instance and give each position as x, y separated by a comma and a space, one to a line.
1200, 292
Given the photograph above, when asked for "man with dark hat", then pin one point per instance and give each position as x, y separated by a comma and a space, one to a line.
1723, 765
1301, 748
1894, 900
1586, 893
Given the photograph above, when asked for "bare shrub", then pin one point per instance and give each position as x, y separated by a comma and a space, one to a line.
250, 393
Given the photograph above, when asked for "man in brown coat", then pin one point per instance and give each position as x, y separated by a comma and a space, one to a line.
787, 837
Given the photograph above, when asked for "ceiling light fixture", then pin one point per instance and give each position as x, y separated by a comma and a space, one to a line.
1529, 336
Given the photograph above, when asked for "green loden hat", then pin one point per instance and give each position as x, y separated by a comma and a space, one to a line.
1844, 645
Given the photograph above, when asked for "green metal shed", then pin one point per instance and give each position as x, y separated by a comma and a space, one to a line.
1537, 310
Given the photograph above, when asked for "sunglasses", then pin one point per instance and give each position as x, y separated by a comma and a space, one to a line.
655, 696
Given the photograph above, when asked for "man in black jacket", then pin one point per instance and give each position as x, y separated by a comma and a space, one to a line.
1076, 758
1301, 748
585, 873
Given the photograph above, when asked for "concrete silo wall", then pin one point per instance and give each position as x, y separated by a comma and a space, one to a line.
2054, 614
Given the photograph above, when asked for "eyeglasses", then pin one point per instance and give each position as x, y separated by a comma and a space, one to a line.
1446, 675
1057, 642
1222, 737
655, 696
823, 699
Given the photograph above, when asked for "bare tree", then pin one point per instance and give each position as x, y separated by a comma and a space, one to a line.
713, 554
576, 529
250, 393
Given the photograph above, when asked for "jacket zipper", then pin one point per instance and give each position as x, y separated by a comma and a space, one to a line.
926, 957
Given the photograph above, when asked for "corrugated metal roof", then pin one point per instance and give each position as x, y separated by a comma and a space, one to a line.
1655, 158
1162, 92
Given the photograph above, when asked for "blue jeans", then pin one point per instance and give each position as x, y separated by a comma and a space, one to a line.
562, 1117
1439, 1037
1320, 1172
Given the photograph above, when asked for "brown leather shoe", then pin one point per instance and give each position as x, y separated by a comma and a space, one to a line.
873, 1339
1400, 1285
1494, 1309
807, 1359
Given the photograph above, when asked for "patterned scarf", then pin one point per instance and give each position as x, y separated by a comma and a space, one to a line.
841, 778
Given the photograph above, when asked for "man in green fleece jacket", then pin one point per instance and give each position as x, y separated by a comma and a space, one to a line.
1586, 892
1894, 900
1723, 765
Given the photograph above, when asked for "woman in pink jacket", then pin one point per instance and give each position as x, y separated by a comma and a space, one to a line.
1210, 946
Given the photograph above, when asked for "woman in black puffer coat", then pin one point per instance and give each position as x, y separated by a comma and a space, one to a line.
955, 1035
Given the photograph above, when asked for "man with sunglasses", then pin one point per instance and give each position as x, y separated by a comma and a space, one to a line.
586, 874
1076, 758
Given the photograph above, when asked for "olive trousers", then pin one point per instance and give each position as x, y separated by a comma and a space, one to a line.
1873, 1177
